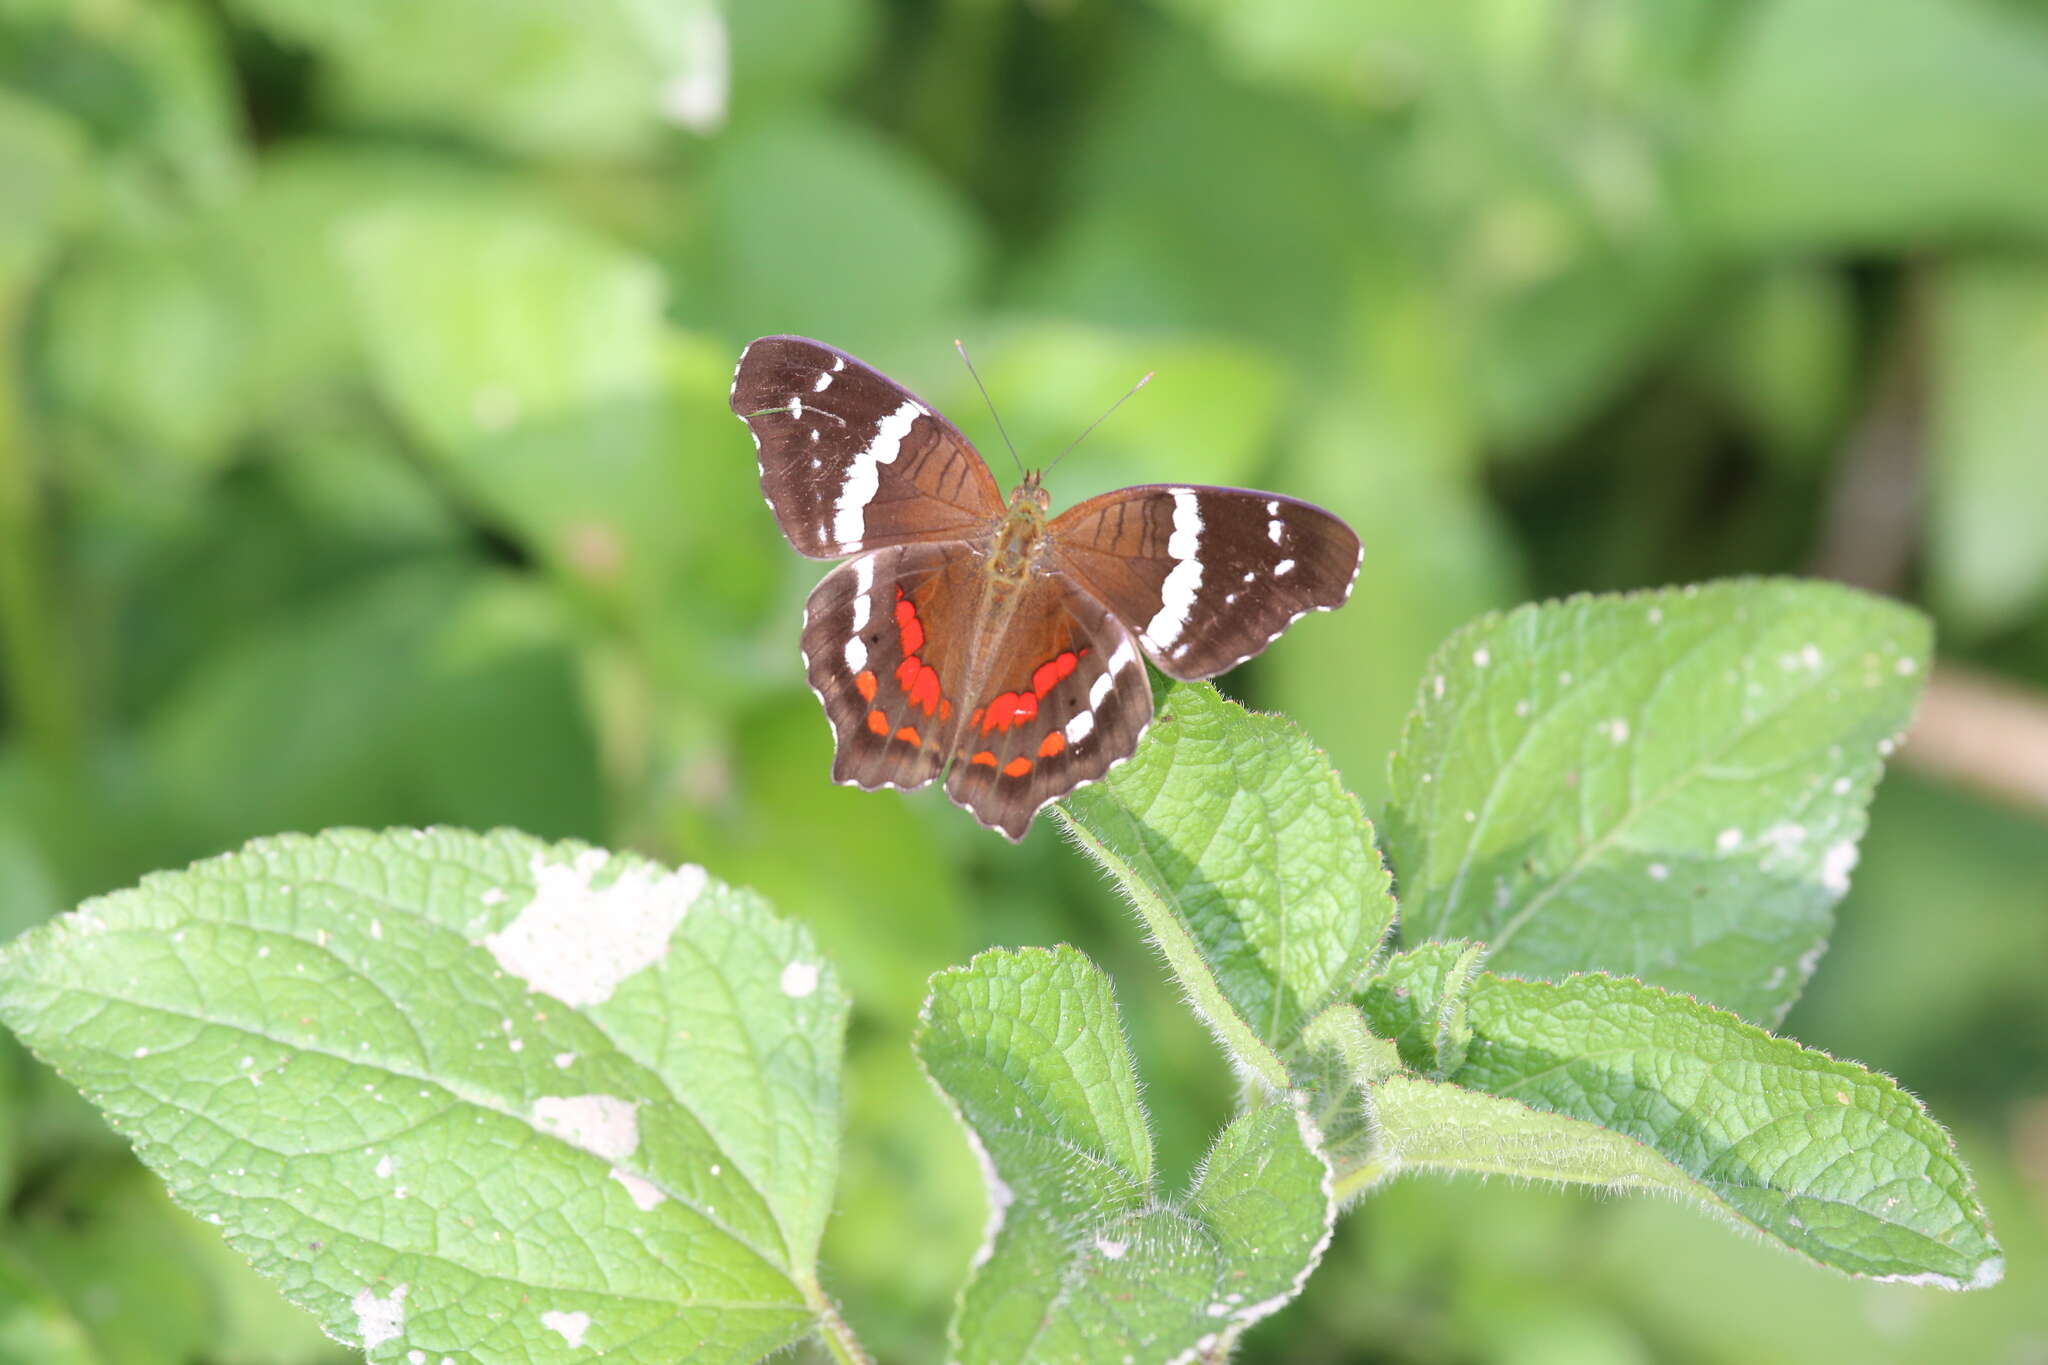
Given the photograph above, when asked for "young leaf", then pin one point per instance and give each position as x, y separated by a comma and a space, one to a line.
1338, 1054
1418, 1001
1252, 867
1669, 784
1606, 1081
469, 1095
1084, 1261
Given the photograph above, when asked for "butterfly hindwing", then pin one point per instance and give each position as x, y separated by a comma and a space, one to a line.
1207, 577
972, 638
886, 656
1062, 698
849, 459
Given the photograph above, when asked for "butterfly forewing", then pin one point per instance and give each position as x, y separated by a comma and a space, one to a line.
975, 639
850, 460
1207, 577
1062, 696
885, 645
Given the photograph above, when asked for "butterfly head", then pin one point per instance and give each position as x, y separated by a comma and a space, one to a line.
1029, 498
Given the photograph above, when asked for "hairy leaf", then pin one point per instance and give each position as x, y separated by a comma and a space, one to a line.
476, 1095
1418, 1001
1084, 1260
1668, 784
1601, 1080
1251, 865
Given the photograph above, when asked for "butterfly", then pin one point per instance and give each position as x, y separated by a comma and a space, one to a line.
986, 640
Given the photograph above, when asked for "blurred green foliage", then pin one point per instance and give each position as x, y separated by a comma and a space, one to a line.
364, 459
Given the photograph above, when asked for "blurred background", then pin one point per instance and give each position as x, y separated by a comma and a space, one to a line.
364, 459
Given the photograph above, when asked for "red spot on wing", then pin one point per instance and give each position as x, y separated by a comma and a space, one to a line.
985, 758
1010, 708
907, 624
924, 693
864, 683
1017, 767
908, 736
916, 677
878, 722
1047, 676
1052, 744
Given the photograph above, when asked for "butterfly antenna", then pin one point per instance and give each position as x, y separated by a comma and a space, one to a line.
1100, 420
961, 347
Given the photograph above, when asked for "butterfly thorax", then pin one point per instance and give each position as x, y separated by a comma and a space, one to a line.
1019, 534
982, 641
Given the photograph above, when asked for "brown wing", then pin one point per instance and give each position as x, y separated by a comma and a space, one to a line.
850, 460
886, 642
1064, 698
1207, 576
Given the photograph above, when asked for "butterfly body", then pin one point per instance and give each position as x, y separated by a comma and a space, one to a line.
986, 640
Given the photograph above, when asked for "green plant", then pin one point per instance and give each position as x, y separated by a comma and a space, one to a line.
482, 1097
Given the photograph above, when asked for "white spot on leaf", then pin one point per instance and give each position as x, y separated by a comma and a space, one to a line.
1835, 866
1728, 840
1000, 1197
603, 1125
578, 941
379, 1320
572, 1326
643, 1191
799, 979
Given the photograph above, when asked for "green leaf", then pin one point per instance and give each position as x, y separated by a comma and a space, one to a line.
1251, 866
1337, 1054
1418, 1001
148, 340
529, 358
1669, 785
1806, 153
386, 698
102, 1235
466, 1094
479, 319
34, 1322
599, 80
1601, 1080
1084, 1261
43, 158
1988, 560
834, 232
